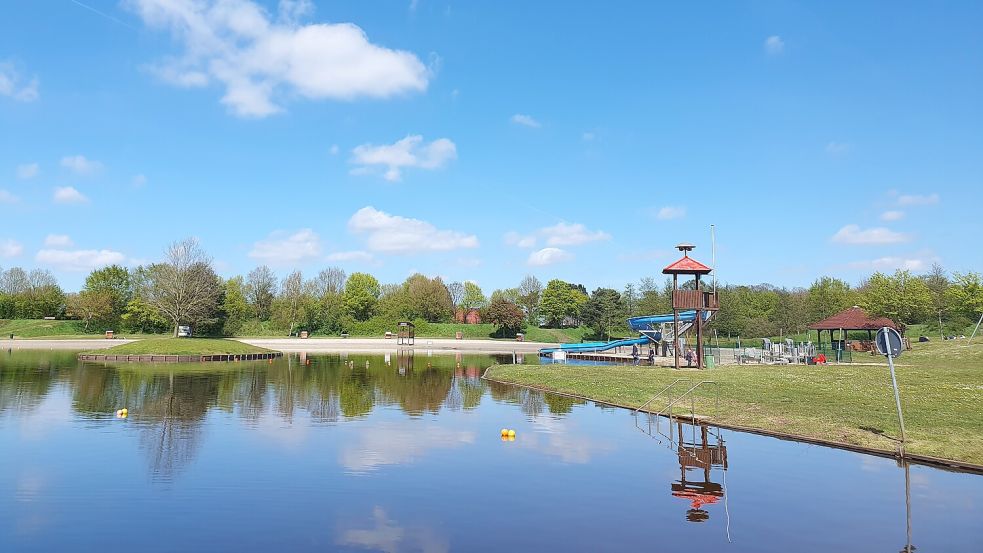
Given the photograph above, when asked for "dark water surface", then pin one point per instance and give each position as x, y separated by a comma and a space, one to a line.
405, 455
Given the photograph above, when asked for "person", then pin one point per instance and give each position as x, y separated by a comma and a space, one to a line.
689, 357
821, 359
634, 353
651, 356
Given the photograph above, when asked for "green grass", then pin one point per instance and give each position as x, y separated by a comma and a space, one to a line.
182, 346
941, 391
54, 330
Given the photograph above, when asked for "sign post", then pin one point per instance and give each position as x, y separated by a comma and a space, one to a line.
889, 344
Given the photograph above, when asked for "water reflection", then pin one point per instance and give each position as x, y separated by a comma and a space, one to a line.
700, 449
385, 534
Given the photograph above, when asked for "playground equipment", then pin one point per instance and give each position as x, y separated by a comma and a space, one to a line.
691, 308
703, 303
653, 328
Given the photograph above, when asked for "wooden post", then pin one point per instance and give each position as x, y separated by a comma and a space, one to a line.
675, 322
699, 327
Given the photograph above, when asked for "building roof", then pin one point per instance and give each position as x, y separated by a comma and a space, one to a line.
853, 318
686, 265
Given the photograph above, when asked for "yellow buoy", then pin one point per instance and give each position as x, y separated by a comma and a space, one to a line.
119, 413
125, 411
511, 433
511, 438
505, 432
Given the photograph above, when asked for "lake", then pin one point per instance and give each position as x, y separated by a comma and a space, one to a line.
403, 453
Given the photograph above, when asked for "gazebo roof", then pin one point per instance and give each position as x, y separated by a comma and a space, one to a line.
854, 318
686, 265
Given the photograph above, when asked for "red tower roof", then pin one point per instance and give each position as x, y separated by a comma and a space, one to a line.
686, 266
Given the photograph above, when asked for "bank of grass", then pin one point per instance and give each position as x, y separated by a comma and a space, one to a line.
376, 328
941, 390
54, 330
181, 346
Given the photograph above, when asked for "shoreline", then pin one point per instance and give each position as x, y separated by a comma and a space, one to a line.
927, 460
308, 345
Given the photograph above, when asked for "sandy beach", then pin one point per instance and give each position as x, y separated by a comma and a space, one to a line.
311, 345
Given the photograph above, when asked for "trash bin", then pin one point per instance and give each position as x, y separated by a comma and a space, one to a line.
303, 334
519, 337
458, 335
709, 361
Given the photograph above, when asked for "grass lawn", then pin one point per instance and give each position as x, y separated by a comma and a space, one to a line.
54, 330
941, 392
181, 346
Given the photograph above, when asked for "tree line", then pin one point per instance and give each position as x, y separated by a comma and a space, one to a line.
183, 289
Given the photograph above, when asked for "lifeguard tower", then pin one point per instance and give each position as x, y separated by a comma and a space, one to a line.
705, 304
406, 333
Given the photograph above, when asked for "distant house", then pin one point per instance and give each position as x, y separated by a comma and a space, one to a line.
471, 316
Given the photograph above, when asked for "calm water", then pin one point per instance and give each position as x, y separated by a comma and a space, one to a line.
405, 455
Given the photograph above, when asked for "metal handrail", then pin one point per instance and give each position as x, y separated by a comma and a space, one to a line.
664, 390
668, 408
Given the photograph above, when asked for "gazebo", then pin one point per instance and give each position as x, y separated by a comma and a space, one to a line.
854, 318
406, 333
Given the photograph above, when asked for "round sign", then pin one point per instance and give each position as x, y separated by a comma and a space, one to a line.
888, 340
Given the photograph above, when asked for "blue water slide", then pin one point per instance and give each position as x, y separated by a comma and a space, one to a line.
650, 321
590, 347
646, 325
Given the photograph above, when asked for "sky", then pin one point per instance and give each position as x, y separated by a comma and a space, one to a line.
489, 140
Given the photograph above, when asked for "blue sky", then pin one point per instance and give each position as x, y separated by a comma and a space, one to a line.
486, 141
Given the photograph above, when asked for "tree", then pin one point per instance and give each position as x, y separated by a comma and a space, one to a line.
473, 297
235, 306
938, 284
89, 305
507, 294
328, 281
652, 299
427, 298
261, 290
141, 316
630, 298
604, 310
530, 290
966, 294
505, 315
360, 295
456, 290
828, 296
901, 297
287, 307
560, 301
114, 281
184, 288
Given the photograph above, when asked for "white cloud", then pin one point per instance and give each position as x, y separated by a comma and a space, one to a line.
13, 85
853, 234
356, 256
566, 234
7, 197
774, 45
28, 171
10, 248
58, 241
280, 247
525, 121
890, 263
916, 199
402, 235
259, 59
408, 152
69, 195
669, 212
80, 165
79, 260
834, 148
139, 180
513, 238
892, 215
548, 256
